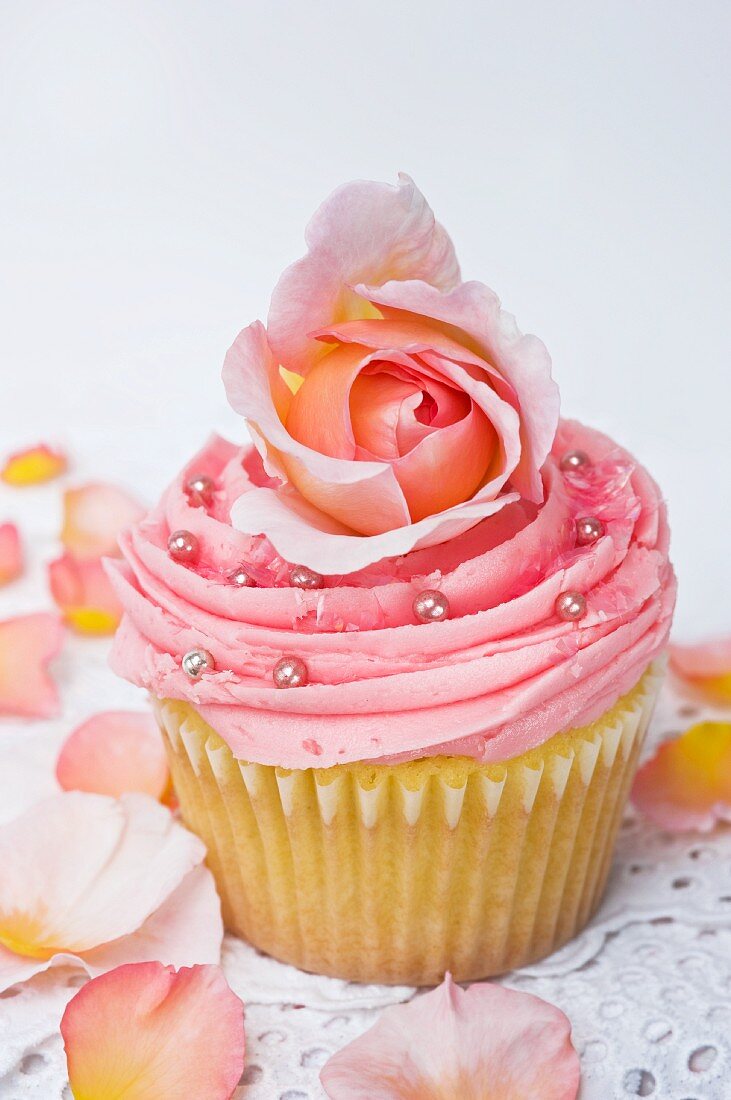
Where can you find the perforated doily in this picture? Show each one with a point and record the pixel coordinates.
(647, 986)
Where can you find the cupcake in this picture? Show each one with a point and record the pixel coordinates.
(404, 647)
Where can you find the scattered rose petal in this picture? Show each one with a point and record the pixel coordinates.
(115, 753)
(706, 667)
(33, 466)
(686, 785)
(27, 644)
(11, 553)
(146, 894)
(488, 1043)
(82, 590)
(182, 1035)
(94, 515)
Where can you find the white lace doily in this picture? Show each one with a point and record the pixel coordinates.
(647, 986)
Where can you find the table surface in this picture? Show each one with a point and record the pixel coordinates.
(647, 986)
(160, 163)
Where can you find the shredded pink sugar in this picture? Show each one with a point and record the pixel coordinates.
(530, 575)
(569, 645)
(570, 557)
(604, 490)
(603, 479)
(613, 600)
(367, 617)
(266, 566)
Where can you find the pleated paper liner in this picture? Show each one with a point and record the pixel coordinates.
(397, 873)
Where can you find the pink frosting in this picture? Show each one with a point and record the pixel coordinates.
(501, 675)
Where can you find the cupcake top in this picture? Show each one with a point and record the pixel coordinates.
(416, 557)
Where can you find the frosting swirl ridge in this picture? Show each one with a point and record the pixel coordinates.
(497, 677)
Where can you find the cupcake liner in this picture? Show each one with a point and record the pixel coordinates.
(397, 873)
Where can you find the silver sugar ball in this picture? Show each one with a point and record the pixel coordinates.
(199, 490)
(570, 606)
(301, 576)
(290, 672)
(196, 662)
(431, 606)
(183, 547)
(575, 460)
(588, 530)
(241, 578)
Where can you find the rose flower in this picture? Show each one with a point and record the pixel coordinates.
(396, 405)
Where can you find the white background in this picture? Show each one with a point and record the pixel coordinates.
(159, 161)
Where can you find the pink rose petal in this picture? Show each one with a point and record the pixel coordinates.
(27, 644)
(396, 411)
(186, 929)
(83, 592)
(129, 861)
(485, 1043)
(442, 464)
(686, 785)
(522, 360)
(302, 533)
(447, 467)
(705, 667)
(94, 516)
(363, 233)
(368, 487)
(115, 753)
(145, 1032)
(11, 553)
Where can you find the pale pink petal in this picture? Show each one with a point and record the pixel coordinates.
(485, 1043)
(367, 506)
(115, 752)
(82, 591)
(33, 466)
(83, 870)
(186, 929)
(27, 644)
(94, 516)
(300, 532)
(350, 489)
(11, 553)
(145, 1032)
(523, 361)
(363, 233)
(15, 969)
(686, 785)
(706, 667)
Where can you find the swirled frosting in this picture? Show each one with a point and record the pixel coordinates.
(501, 675)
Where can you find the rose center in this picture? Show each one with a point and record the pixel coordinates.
(427, 410)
